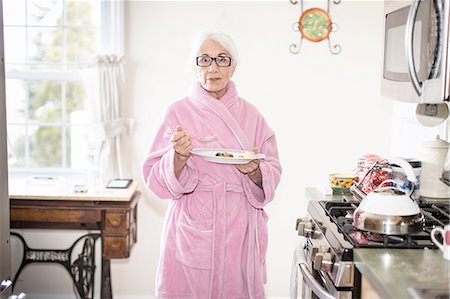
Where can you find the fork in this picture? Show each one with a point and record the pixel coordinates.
(201, 139)
(204, 138)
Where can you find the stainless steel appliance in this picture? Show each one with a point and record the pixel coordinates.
(328, 270)
(416, 36)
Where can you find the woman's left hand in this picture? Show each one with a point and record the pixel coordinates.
(250, 167)
(252, 170)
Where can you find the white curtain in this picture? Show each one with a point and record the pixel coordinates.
(104, 82)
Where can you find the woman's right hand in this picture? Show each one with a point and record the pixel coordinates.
(181, 143)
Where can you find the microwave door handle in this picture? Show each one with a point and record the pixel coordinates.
(313, 284)
(438, 6)
(409, 42)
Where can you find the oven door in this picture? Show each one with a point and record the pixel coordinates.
(415, 38)
(316, 285)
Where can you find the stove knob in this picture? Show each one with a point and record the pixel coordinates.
(323, 261)
(305, 227)
(324, 248)
(317, 249)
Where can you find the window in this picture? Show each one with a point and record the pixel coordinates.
(46, 45)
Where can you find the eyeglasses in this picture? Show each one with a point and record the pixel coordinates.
(221, 61)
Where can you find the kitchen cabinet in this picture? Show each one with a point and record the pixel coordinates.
(398, 273)
(367, 290)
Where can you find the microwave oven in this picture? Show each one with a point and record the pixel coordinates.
(415, 51)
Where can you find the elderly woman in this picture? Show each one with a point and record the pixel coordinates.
(214, 239)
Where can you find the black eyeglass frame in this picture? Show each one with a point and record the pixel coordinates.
(213, 59)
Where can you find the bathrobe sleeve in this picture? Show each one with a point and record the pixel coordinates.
(270, 166)
(158, 167)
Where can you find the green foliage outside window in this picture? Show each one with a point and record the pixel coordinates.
(65, 38)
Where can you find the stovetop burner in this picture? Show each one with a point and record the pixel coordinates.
(341, 213)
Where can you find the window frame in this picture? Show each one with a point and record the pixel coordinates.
(111, 42)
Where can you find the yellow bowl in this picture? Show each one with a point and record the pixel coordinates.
(341, 182)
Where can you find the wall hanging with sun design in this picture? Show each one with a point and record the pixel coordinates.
(315, 25)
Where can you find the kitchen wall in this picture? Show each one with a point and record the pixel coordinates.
(325, 109)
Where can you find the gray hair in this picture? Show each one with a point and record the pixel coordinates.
(223, 39)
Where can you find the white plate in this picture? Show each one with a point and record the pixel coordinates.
(239, 156)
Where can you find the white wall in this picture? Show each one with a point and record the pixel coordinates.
(325, 109)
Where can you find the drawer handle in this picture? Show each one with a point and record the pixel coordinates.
(115, 222)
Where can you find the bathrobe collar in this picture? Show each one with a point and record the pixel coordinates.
(228, 99)
(222, 109)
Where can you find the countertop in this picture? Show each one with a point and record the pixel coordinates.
(394, 272)
(61, 189)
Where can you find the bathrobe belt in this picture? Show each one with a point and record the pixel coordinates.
(220, 190)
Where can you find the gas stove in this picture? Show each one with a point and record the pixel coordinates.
(341, 213)
(330, 238)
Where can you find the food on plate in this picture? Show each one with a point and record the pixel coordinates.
(224, 154)
(237, 154)
(246, 155)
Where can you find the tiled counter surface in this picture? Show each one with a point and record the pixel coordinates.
(392, 272)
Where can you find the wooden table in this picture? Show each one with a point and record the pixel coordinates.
(111, 212)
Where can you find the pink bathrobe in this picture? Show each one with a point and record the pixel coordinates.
(214, 239)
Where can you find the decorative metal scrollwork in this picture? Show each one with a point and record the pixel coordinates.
(315, 25)
(81, 269)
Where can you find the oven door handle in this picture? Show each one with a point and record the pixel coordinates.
(313, 284)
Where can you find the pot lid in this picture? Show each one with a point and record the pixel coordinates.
(386, 203)
(436, 143)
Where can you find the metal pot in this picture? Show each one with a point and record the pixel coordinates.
(390, 210)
